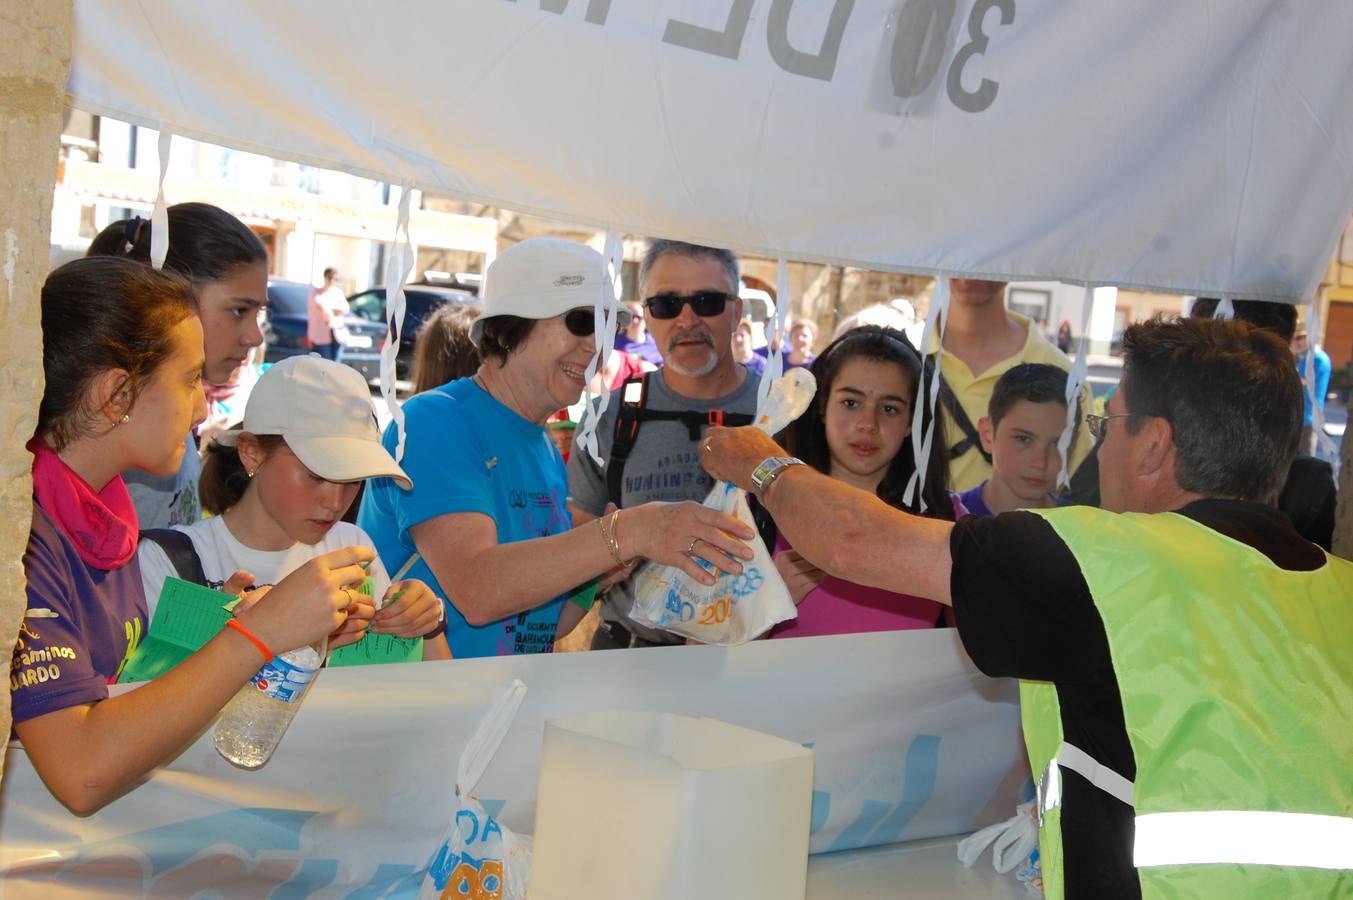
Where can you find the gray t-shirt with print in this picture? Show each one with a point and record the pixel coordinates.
(664, 465)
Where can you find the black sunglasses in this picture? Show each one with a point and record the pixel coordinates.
(581, 322)
(703, 303)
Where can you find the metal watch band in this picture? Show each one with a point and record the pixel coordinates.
(770, 469)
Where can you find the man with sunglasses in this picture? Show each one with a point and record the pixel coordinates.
(649, 436)
(1183, 653)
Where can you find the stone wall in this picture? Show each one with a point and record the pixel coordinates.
(35, 37)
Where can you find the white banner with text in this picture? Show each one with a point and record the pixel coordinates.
(1192, 148)
(910, 742)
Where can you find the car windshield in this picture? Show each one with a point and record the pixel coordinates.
(369, 305)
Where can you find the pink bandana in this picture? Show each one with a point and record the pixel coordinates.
(102, 526)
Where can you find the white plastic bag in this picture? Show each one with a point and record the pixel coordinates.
(1014, 846)
(736, 608)
(478, 858)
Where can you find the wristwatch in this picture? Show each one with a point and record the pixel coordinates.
(769, 470)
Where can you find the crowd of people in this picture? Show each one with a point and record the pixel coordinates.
(1123, 619)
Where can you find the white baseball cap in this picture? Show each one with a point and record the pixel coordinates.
(323, 411)
(544, 277)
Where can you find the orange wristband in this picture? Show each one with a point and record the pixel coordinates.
(262, 647)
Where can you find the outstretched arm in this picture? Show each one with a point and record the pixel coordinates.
(90, 753)
(844, 531)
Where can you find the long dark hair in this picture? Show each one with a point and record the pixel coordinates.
(806, 437)
(206, 243)
(97, 315)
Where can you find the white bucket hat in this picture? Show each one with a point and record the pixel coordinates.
(323, 411)
(544, 277)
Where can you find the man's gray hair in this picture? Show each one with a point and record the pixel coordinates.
(660, 247)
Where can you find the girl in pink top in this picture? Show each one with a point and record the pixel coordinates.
(858, 430)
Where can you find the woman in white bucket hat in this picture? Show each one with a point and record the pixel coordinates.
(279, 485)
(486, 523)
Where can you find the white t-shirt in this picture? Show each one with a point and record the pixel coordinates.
(222, 556)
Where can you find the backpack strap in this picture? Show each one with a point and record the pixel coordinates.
(633, 399)
(634, 412)
(949, 400)
(181, 552)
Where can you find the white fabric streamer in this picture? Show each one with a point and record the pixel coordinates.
(928, 394)
(402, 255)
(1073, 387)
(777, 331)
(159, 216)
(605, 316)
(1225, 308)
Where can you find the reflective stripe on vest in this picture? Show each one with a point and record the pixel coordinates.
(1196, 838)
(1257, 838)
(1069, 756)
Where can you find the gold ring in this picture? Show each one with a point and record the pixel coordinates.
(351, 598)
(690, 548)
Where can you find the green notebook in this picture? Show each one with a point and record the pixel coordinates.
(187, 616)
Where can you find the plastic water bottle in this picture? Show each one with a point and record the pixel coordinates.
(253, 722)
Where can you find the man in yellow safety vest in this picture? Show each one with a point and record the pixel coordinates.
(1183, 652)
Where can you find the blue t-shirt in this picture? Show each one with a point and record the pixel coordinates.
(81, 626)
(466, 452)
(1320, 383)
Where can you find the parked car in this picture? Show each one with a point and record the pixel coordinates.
(285, 335)
(420, 301)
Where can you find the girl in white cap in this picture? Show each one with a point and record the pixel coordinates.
(122, 358)
(279, 487)
(486, 521)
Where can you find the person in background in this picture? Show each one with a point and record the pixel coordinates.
(897, 314)
(122, 361)
(635, 339)
(801, 336)
(228, 267)
(982, 340)
(324, 315)
(858, 431)
(1179, 649)
(443, 351)
(1314, 386)
(1024, 422)
(1309, 495)
(744, 352)
(649, 435)
(277, 488)
(485, 524)
(1064, 337)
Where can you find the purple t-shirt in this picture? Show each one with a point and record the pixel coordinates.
(972, 501)
(81, 627)
(842, 607)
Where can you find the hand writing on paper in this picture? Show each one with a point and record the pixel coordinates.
(353, 629)
(799, 575)
(310, 602)
(410, 610)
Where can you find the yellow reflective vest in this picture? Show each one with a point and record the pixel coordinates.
(1237, 686)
